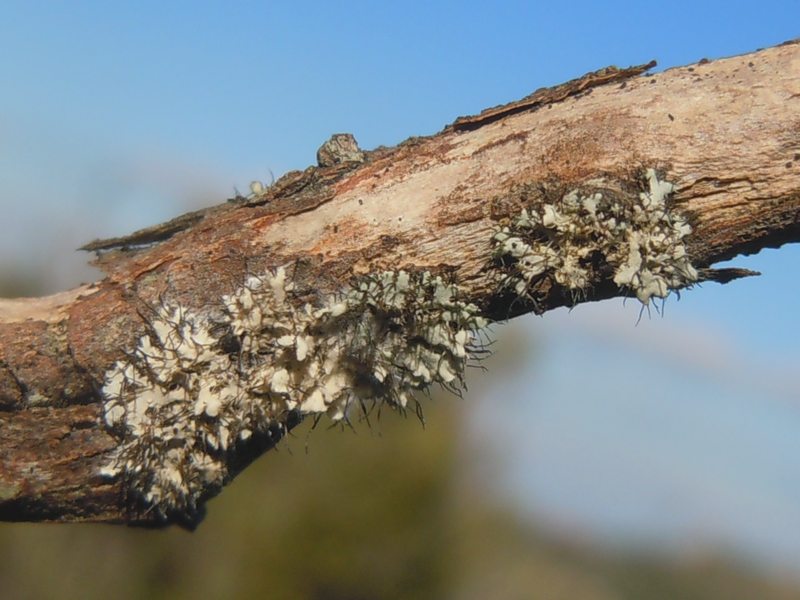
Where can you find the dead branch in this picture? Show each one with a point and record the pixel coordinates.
(726, 133)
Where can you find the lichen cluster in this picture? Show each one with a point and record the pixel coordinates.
(183, 398)
(590, 233)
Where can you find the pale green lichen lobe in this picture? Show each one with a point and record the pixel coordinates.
(181, 401)
(637, 235)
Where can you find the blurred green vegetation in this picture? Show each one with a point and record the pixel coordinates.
(386, 511)
(16, 283)
(382, 512)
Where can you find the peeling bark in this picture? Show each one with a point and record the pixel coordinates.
(725, 132)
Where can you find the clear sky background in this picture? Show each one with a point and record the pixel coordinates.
(683, 431)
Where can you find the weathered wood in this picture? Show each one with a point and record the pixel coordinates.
(725, 132)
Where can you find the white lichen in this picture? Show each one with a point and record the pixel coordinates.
(636, 235)
(182, 399)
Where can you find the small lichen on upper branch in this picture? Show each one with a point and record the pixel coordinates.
(183, 399)
(591, 234)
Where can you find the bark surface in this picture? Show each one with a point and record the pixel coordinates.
(725, 132)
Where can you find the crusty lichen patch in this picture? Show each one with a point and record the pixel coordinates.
(183, 398)
(591, 234)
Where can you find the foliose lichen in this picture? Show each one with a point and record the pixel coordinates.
(577, 239)
(183, 399)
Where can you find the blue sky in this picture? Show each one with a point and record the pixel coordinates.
(114, 117)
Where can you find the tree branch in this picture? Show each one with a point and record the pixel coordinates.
(725, 133)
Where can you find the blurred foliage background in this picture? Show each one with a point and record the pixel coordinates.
(389, 509)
